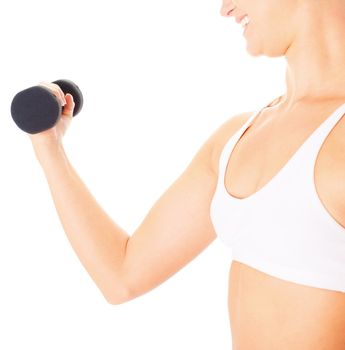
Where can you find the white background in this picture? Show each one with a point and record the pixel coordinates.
(158, 77)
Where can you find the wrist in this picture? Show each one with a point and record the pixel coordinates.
(46, 150)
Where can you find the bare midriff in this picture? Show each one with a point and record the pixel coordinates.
(267, 313)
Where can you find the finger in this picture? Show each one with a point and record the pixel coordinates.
(69, 106)
(61, 93)
(56, 90)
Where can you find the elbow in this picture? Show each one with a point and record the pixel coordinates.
(118, 297)
(119, 294)
(112, 301)
(123, 291)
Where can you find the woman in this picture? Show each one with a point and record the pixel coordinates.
(269, 183)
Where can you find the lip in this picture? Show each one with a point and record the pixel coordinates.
(239, 19)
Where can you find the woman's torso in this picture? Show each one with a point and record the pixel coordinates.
(268, 313)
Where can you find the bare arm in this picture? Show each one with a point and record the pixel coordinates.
(98, 241)
(176, 229)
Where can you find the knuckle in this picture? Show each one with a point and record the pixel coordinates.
(56, 86)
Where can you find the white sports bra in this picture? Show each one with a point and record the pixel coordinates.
(283, 229)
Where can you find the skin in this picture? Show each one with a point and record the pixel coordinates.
(266, 313)
(310, 36)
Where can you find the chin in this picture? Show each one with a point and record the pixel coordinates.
(273, 46)
(271, 51)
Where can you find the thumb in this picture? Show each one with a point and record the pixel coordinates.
(69, 106)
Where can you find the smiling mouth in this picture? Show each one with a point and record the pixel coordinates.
(244, 21)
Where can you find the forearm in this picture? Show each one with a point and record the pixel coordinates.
(97, 240)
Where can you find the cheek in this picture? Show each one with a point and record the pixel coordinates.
(272, 27)
(281, 31)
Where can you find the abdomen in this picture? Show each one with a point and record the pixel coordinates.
(267, 313)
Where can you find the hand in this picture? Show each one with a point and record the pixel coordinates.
(54, 135)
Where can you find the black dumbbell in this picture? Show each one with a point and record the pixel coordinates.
(37, 109)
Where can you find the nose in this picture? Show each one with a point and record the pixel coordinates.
(227, 8)
(226, 12)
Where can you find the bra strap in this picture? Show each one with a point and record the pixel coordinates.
(277, 100)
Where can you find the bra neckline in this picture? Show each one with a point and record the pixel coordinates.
(278, 174)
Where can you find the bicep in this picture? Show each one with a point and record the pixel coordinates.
(176, 229)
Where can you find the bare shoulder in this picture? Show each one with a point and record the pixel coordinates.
(224, 132)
